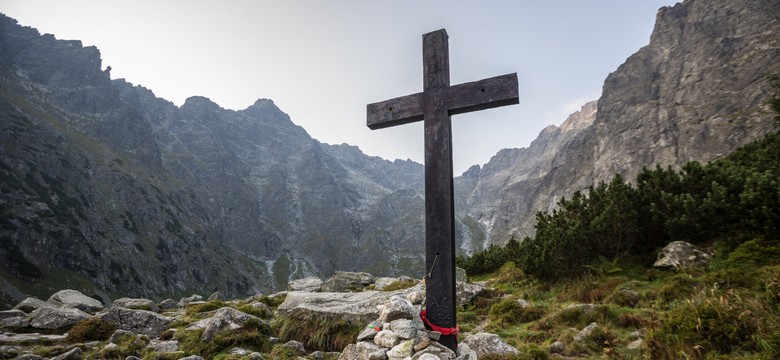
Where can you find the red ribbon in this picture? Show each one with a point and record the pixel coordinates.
(442, 330)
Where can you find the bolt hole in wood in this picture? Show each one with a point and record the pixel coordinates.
(482, 90)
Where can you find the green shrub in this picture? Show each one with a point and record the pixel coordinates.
(508, 312)
(90, 329)
(192, 309)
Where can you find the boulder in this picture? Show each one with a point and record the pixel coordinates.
(72, 354)
(121, 336)
(55, 318)
(343, 281)
(309, 284)
(9, 338)
(137, 304)
(681, 255)
(486, 344)
(167, 346)
(397, 308)
(7, 352)
(371, 351)
(138, 321)
(382, 282)
(15, 322)
(192, 357)
(404, 328)
(460, 275)
(360, 307)
(29, 304)
(75, 299)
(387, 339)
(402, 350)
(296, 346)
(187, 300)
(465, 352)
(226, 318)
(168, 304)
(465, 292)
(5, 314)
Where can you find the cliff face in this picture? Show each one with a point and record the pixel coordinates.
(108, 187)
(696, 92)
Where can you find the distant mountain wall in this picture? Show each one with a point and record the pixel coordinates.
(697, 91)
(112, 190)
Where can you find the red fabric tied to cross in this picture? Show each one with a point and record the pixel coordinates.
(442, 330)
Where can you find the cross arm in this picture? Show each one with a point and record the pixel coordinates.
(483, 94)
(398, 111)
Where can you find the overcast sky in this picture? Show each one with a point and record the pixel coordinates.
(322, 61)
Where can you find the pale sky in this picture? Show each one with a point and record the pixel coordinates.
(323, 61)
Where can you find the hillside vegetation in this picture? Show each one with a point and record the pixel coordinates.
(591, 262)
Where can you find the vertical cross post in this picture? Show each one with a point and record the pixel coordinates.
(434, 106)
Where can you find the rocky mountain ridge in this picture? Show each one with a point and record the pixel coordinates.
(696, 92)
(109, 187)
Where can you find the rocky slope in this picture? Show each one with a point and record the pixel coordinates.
(697, 91)
(105, 186)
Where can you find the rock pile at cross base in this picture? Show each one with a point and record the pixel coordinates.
(144, 328)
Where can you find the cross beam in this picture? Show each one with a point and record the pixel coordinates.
(434, 106)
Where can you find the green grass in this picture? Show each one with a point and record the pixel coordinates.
(728, 311)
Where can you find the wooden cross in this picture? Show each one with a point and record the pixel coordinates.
(434, 106)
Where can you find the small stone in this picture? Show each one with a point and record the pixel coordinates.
(524, 303)
(371, 351)
(7, 351)
(297, 346)
(192, 357)
(421, 341)
(30, 304)
(369, 332)
(397, 308)
(121, 336)
(585, 333)
(168, 346)
(636, 344)
(557, 348)
(238, 351)
(401, 351)
(434, 335)
(428, 357)
(386, 338)
(215, 296)
(256, 356)
(460, 275)
(404, 328)
(72, 354)
(465, 352)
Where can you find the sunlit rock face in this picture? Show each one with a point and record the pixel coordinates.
(697, 91)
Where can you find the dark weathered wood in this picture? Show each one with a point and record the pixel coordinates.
(434, 106)
(467, 97)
